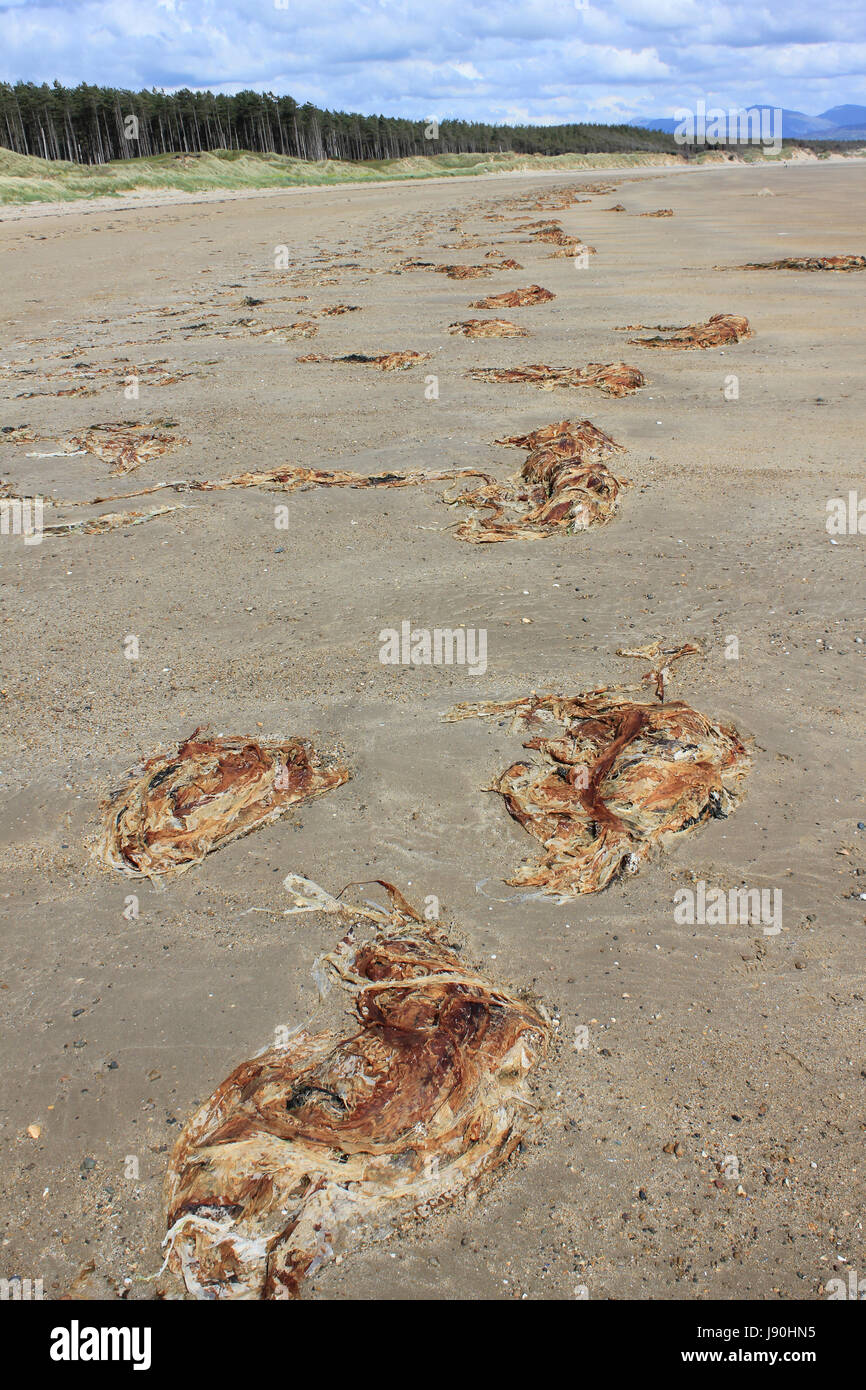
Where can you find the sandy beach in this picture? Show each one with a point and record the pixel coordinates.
(703, 1138)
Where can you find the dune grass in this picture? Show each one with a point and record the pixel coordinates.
(26, 179)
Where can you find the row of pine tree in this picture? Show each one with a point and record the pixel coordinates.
(91, 125)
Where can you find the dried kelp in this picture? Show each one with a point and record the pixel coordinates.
(663, 657)
(109, 521)
(125, 444)
(502, 264)
(338, 1135)
(464, 272)
(804, 263)
(659, 212)
(175, 808)
(385, 361)
(514, 299)
(288, 479)
(570, 248)
(89, 379)
(282, 332)
(564, 486)
(488, 328)
(617, 207)
(614, 378)
(718, 331)
(556, 236)
(618, 778)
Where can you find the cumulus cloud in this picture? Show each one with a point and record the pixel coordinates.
(549, 60)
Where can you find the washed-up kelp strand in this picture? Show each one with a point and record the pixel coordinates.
(506, 264)
(617, 207)
(564, 486)
(124, 445)
(718, 331)
(659, 212)
(804, 263)
(334, 1137)
(614, 378)
(175, 808)
(558, 237)
(663, 659)
(514, 299)
(618, 778)
(89, 379)
(464, 272)
(488, 328)
(109, 521)
(385, 361)
(290, 479)
(284, 333)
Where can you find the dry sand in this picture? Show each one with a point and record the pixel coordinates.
(723, 1041)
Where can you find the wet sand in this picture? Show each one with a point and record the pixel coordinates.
(711, 1042)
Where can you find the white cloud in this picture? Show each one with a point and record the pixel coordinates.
(545, 59)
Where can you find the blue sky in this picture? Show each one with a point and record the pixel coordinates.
(500, 60)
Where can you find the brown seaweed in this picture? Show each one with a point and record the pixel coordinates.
(614, 378)
(718, 331)
(488, 328)
(514, 299)
(563, 486)
(464, 272)
(125, 444)
(175, 808)
(341, 1135)
(385, 361)
(617, 779)
(843, 263)
(109, 521)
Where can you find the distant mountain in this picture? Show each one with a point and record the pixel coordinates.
(839, 123)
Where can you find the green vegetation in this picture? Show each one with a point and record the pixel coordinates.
(94, 125)
(24, 179)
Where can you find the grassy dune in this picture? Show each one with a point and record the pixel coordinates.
(25, 179)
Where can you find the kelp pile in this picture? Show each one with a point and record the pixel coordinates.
(614, 378)
(124, 444)
(175, 808)
(385, 361)
(805, 263)
(567, 245)
(464, 272)
(488, 328)
(719, 331)
(342, 1134)
(514, 299)
(563, 486)
(659, 212)
(454, 272)
(89, 379)
(109, 521)
(617, 777)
